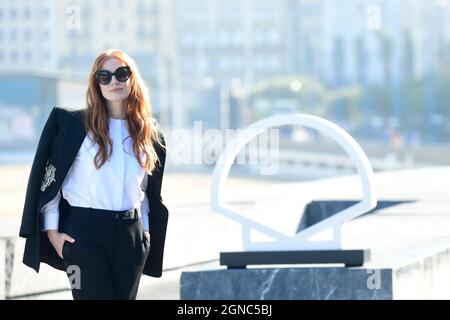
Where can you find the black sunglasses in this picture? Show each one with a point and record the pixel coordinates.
(122, 74)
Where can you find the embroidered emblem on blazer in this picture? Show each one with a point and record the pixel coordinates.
(49, 176)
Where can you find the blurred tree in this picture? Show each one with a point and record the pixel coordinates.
(408, 54)
(302, 91)
(346, 105)
(387, 49)
(338, 61)
(309, 95)
(361, 58)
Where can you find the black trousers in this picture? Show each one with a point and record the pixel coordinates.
(109, 253)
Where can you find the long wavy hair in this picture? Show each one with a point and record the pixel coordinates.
(142, 126)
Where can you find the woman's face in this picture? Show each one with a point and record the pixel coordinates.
(115, 90)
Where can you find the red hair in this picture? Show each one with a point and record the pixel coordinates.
(142, 126)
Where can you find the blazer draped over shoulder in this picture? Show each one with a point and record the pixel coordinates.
(60, 141)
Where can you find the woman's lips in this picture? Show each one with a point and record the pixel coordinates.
(116, 90)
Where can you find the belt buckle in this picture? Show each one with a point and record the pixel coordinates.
(127, 215)
(131, 214)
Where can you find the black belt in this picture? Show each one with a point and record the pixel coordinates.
(129, 215)
(123, 214)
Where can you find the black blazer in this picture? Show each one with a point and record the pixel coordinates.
(60, 141)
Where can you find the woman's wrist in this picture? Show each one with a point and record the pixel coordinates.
(51, 232)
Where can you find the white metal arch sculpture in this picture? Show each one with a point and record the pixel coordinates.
(299, 241)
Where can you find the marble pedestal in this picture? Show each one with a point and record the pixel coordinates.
(287, 284)
(425, 278)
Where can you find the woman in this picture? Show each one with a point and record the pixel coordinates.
(93, 206)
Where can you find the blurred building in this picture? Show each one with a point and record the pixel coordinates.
(141, 28)
(185, 48)
(221, 41)
(88, 27)
(28, 55)
(61, 38)
(224, 46)
(28, 37)
(380, 41)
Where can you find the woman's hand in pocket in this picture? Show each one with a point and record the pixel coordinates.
(57, 240)
(147, 235)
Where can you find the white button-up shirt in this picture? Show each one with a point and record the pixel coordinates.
(118, 185)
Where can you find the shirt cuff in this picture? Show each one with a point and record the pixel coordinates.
(51, 221)
(145, 221)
